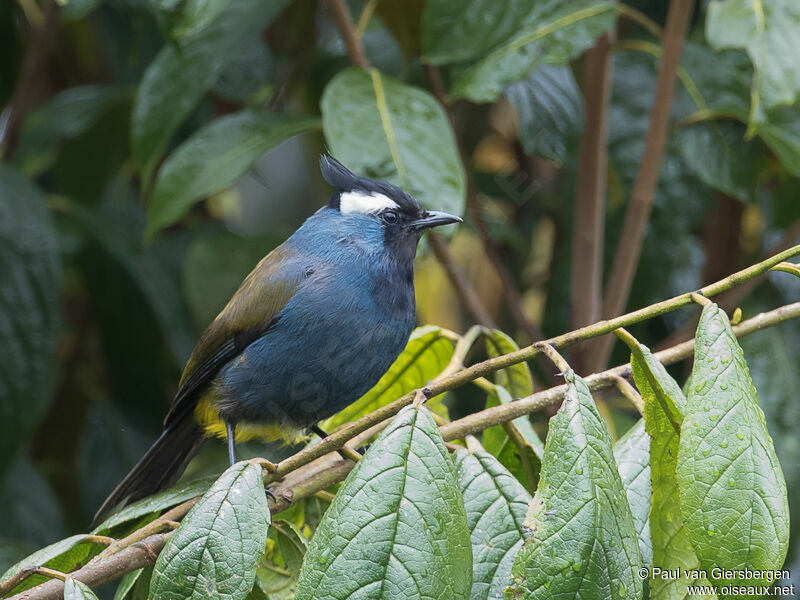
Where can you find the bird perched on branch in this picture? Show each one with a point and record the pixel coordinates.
(310, 330)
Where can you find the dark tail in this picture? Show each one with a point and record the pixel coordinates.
(159, 468)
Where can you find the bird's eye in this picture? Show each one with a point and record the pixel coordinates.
(389, 217)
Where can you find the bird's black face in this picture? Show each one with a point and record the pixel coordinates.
(400, 216)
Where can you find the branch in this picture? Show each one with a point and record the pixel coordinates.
(586, 272)
(25, 94)
(497, 415)
(344, 21)
(637, 216)
(141, 548)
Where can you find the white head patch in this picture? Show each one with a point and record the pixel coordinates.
(362, 202)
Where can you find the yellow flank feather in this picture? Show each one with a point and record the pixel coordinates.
(207, 416)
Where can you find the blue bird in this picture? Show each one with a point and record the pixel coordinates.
(308, 332)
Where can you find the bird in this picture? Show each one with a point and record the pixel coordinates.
(311, 329)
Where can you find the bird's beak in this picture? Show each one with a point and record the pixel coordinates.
(434, 218)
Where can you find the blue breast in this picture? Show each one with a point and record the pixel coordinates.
(349, 319)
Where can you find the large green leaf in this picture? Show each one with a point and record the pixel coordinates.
(549, 109)
(516, 445)
(65, 555)
(583, 541)
(632, 453)
(382, 128)
(516, 379)
(127, 583)
(554, 33)
(155, 503)
(215, 551)
(214, 157)
(30, 283)
(397, 527)
(458, 30)
(182, 72)
(496, 504)
(671, 547)
(720, 156)
(77, 590)
(425, 356)
(196, 15)
(66, 115)
(732, 490)
(117, 228)
(770, 32)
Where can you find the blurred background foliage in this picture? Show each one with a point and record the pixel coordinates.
(153, 151)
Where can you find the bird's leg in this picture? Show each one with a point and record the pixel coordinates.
(231, 430)
(345, 452)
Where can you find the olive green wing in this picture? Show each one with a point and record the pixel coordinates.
(249, 314)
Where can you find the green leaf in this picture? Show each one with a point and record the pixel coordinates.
(30, 284)
(196, 15)
(496, 504)
(732, 490)
(117, 228)
(65, 555)
(397, 527)
(781, 132)
(292, 544)
(126, 584)
(454, 31)
(549, 109)
(215, 157)
(516, 379)
(155, 503)
(214, 267)
(75, 10)
(583, 541)
(516, 445)
(632, 453)
(670, 540)
(77, 590)
(216, 550)
(176, 80)
(770, 32)
(66, 115)
(554, 33)
(425, 356)
(720, 156)
(382, 128)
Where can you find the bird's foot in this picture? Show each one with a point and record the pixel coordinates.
(270, 494)
(347, 452)
(270, 466)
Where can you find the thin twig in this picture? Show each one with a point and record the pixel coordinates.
(588, 235)
(496, 415)
(25, 93)
(627, 390)
(637, 215)
(352, 42)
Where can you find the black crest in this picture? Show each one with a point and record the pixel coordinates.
(344, 180)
